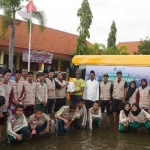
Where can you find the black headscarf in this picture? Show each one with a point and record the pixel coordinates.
(125, 111)
(144, 86)
(130, 90)
(2, 100)
(135, 113)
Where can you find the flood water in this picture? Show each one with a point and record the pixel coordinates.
(107, 137)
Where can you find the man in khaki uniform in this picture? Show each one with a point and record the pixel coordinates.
(29, 100)
(51, 87)
(64, 117)
(18, 90)
(24, 74)
(41, 93)
(106, 89)
(119, 93)
(6, 91)
(17, 126)
(60, 93)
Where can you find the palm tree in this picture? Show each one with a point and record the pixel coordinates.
(10, 7)
(103, 48)
(122, 50)
(94, 49)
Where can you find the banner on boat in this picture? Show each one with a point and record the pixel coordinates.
(129, 73)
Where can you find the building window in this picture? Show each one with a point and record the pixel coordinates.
(6, 61)
(65, 66)
(54, 65)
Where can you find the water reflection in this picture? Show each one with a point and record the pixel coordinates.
(106, 137)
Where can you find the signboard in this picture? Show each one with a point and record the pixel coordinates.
(38, 56)
(129, 73)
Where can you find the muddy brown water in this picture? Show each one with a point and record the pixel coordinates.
(107, 137)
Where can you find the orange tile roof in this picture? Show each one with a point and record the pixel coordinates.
(51, 40)
(131, 46)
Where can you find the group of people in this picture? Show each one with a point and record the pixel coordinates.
(28, 104)
(132, 102)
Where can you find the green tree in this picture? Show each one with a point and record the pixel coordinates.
(10, 7)
(94, 49)
(85, 15)
(144, 47)
(111, 41)
(122, 50)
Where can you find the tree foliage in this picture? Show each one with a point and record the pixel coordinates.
(94, 49)
(122, 50)
(111, 41)
(85, 15)
(10, 8)
(144, 47)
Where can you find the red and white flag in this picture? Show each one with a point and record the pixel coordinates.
(25, 12)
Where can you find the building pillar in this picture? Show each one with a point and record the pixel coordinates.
(59, 65)
(41, 67)
(2, 58)
(18, 62)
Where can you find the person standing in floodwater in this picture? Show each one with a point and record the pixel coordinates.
(79, 88)
(144, 95)
(41, 93)
(29, 100)
(18, 90)
(91, 91)
(119, 93)
(7, 92)
(60, 93)
(51, 87)
(106, 89)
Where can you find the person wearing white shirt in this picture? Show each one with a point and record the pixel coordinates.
(91, 91)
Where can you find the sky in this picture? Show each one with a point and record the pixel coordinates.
(132, 18)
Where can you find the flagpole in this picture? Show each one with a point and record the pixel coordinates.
(30, 35)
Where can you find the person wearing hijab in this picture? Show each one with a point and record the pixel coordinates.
(144, 95)
(124, 118)
(139, 118)
(131, 93)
